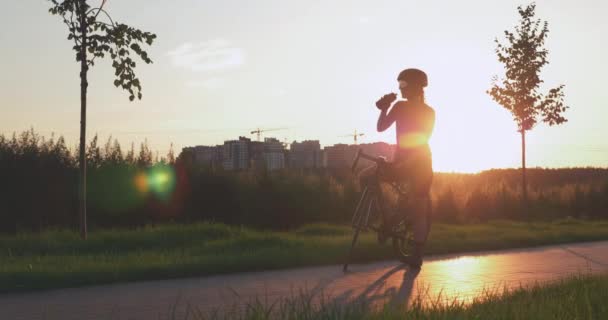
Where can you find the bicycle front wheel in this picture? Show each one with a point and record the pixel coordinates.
(359, 222)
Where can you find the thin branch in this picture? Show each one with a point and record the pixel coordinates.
(71, 25)
(72, 17)
(107, 15)
(92, 61)
(106, 24)
(103, 2)
(104, 12)
(76, 4)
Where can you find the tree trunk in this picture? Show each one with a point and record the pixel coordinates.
(523, 171)
(82, 208)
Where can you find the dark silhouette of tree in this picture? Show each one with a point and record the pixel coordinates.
(130, 157)
(113, 152)
(94, 156)
(145, 155)
(523, 57)
(95, 38)
(171, 155)
(39, 176)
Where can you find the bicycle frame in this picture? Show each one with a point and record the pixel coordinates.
(370, 196)
(371, 202)
(363, 212)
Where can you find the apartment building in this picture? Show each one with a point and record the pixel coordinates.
(236, 154)
(274, 154)
(305, 154)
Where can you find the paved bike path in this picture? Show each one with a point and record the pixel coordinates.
(458, 276)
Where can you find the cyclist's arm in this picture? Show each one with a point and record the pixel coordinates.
(386, 119)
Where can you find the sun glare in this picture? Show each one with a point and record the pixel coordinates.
(471, 133)
(473, 144)
(460, 278)
(412, 140)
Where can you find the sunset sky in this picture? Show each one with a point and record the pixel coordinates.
(224, 68)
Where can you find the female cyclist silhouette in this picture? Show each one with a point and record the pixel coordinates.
(412, 162)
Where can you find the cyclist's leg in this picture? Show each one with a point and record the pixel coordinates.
(420, 217)
(417, 173)
(420, 175)
(422, 194)
(423, 211)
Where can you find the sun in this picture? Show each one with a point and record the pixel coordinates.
(462, 143)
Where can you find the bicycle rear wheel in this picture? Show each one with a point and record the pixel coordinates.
(395, 206)
(403, 238)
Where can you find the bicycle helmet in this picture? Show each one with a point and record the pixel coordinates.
(414, 76)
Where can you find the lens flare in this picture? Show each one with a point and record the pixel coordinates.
(412, 140)
(141, 182)
(116, 188)
(161, 181)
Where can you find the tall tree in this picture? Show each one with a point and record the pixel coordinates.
(523, 56)
(130, 158)
(95, 35)
(171, 155)
(145, 155)
(93, 154)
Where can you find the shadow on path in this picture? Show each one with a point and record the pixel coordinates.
(378, 293)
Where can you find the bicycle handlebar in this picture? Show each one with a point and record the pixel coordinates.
(361, 154)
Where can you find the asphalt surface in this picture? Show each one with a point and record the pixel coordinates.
(462, 277)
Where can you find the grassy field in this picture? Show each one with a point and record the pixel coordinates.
(580, 297)
(57, 259)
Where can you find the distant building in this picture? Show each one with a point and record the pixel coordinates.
(236, 154)
(274, 154)
(305, 154)
(256, 155)
(338, 156)
(211, 156)
(244, 154)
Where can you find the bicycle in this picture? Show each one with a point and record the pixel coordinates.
(377, 207)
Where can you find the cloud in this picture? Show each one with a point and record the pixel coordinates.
(212, 55)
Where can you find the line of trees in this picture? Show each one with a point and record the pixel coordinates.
(39, 190)
(39, 186)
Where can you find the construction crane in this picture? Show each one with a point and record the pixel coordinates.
(258, 131)
(354, 135)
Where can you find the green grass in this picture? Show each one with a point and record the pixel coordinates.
(579, 297)
(56, 259)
